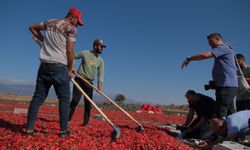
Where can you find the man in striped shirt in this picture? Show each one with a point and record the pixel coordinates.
(56, 67)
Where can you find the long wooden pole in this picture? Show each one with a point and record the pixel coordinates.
(105, 96)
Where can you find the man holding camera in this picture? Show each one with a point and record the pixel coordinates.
(204, 107)
(224, 73)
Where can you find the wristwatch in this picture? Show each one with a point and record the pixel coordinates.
(188, 58)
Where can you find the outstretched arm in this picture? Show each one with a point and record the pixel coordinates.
(201, 56)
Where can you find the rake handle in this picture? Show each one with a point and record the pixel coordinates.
(105, 96)
(91, 101)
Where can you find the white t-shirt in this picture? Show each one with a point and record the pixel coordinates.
(57, 32)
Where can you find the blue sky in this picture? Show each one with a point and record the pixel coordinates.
(147, 41)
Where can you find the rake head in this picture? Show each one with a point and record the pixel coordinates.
(139, 128)
(115, 134)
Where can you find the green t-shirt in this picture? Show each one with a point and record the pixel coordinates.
(89, 65)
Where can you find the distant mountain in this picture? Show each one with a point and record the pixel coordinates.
(27, 89)
(20, 87)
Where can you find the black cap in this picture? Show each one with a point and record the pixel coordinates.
(99, 42)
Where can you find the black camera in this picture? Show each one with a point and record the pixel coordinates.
(211, 85)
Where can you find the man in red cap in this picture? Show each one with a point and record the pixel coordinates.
(56, 56)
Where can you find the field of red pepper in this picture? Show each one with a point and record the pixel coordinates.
(96, 135)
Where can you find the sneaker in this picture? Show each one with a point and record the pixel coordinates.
(64, 134)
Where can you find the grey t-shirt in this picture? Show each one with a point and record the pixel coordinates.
(246, 73)
(57, 32)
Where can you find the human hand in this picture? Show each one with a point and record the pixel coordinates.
(100, 88)
(203, 145)
(185, 63)
(70, 72)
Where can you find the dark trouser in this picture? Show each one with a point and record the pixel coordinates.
(225, 100)
(243, 105)
(76, 98)
(48, 75)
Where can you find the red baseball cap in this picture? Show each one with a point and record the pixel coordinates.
(78, 14)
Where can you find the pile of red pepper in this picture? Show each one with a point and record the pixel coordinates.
(96, 135)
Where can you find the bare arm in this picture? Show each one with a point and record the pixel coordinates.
(201, 56)
(36, 31)
(190, 116)
(70, 57)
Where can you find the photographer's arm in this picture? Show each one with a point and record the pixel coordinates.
(201, 56)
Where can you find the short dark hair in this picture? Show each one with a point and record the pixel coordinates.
(190, 92)
(70, 15)
(240, 56)
(214, 35)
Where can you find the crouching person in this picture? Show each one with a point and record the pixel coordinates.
(204, 107)
(235, 127)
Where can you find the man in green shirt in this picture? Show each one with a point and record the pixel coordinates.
(91, 63)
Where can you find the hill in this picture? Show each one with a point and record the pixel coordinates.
(24, 88)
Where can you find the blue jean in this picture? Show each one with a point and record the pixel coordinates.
(51, 74)
(225, 100)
